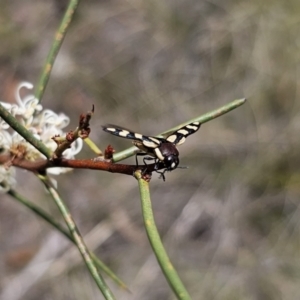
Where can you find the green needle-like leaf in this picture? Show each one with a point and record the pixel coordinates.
(78, 239)
(44, 215)
(59, 38)
(202, 119)
(156, 243)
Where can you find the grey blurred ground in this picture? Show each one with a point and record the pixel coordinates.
(231, 221)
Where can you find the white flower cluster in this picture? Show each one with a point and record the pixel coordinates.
(43, 124)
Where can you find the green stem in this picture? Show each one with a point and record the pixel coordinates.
(27, 135)
(44, 215)
(202, 119)
(78, 239)
(156, 243)
(58, 40)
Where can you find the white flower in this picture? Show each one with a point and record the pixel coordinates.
(29, 104)
(43, 124)
(7, 179)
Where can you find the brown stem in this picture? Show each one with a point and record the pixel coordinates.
(95, 164)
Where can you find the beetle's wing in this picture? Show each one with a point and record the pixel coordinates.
(178, 137)
(146, 141)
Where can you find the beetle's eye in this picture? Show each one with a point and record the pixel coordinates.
(171, 162)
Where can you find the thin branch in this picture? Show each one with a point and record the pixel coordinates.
(93, 164)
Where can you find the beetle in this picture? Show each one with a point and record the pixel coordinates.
(162, 150)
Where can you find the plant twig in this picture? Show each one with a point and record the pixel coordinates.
(93, 164)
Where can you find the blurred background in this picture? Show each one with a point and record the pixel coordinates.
(230, 222)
